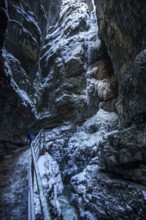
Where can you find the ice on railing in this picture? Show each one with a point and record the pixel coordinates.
(37, 203)
(52, 181)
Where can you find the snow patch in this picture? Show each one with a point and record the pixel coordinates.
(51, 179)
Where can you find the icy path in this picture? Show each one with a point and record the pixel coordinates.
(14, 186)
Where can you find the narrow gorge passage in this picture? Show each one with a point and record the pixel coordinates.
(76, 70)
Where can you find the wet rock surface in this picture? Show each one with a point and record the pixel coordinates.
(14, 186)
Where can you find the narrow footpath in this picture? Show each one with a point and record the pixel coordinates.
(14, 186)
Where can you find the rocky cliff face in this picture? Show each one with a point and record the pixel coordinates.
(25, 25)
(122, 152)
(77, 73)
(120, 25)
(99, 160)
(59, 70)
(122, 29)
(54, 65)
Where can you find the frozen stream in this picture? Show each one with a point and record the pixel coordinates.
(68, 211)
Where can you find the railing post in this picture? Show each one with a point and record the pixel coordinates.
(31, 211)
(43, 138)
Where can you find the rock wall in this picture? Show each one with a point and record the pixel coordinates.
(121, 27)
(57, 67)
(25, 24)
(99, 158)
(121, 153)
(76, 70)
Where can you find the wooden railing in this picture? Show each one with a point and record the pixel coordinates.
(36, 147)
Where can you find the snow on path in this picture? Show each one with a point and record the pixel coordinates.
(14, 186)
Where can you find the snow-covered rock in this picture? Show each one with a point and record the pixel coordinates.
(105, 196)
(72, 47)
(52, 183)
(73, 147)
(24, 25)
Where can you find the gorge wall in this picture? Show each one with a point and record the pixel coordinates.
(122, 29)
(75, 66)
(46, 57)
(86, 83)
(25, 25)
